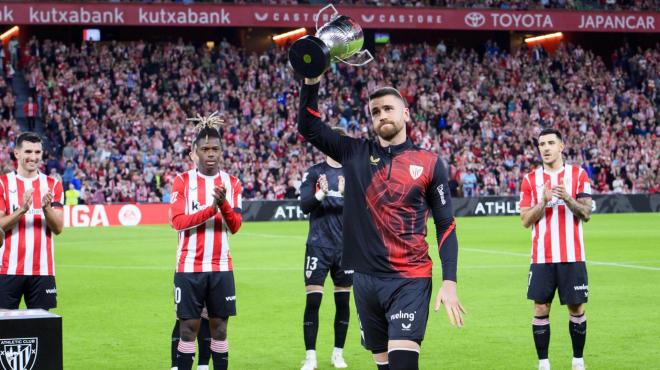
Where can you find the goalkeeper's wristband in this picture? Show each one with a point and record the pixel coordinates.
(320, 195)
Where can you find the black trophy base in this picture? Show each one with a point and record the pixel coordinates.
(309, 56)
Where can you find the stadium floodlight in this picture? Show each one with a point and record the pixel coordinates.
(544, 37)
(11, 32)
(289, 36)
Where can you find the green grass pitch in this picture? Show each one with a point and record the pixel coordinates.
(115, 296)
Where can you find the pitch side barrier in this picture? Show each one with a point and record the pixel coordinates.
(478, 206)
(289, 210)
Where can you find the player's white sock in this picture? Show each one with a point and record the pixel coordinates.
(202, 367)
(174, 368)
(337, 351)
(578, 363)
(544, 364)
(311, 354)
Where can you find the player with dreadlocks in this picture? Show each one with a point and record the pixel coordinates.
(204, 334)
(205, 207)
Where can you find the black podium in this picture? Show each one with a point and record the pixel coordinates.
(30, 340)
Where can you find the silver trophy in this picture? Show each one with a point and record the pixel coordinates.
(340, 39)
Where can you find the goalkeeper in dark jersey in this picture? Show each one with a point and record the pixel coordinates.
(322, 197)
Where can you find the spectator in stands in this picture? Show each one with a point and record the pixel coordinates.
(2, 59)
(469, 180)
(71, 196)
(13, 47)
(31, 111)
(104, 101)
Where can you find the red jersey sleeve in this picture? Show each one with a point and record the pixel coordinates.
(583, 186)
(525, 194)
(58, 195)
(3, 201)
(178, 217)
(232, 216)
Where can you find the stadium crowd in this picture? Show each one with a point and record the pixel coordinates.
(115, 113)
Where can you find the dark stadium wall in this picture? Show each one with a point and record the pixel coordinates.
(149, 34)
(258, 39)
(603, 44)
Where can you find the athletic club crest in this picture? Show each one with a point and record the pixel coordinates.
(308, 273)
(18, 353)
(416, 171)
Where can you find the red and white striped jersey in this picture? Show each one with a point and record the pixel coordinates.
(203, 233)
(557, 236)
(28, 247)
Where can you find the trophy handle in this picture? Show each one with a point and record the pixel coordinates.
(335, 13)
(358, 59)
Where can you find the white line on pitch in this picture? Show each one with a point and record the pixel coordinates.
(492, 251)
(598, 263)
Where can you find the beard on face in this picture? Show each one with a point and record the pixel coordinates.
(387, 130)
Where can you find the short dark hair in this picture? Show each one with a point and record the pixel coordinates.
(28, 136)
(550, 131)
(206, 133)
(387, 90)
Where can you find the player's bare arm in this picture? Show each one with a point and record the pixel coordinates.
(531, 215)
(580, 207)
(7, 222)
(54, 217)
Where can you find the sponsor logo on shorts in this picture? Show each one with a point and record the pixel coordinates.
(230, 298)
(348, 272)
(581, 287)
(403, 316)
(51, 291)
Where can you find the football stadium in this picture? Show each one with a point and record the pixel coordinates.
(364, 184)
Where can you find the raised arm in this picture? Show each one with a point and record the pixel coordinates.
(312, 128)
